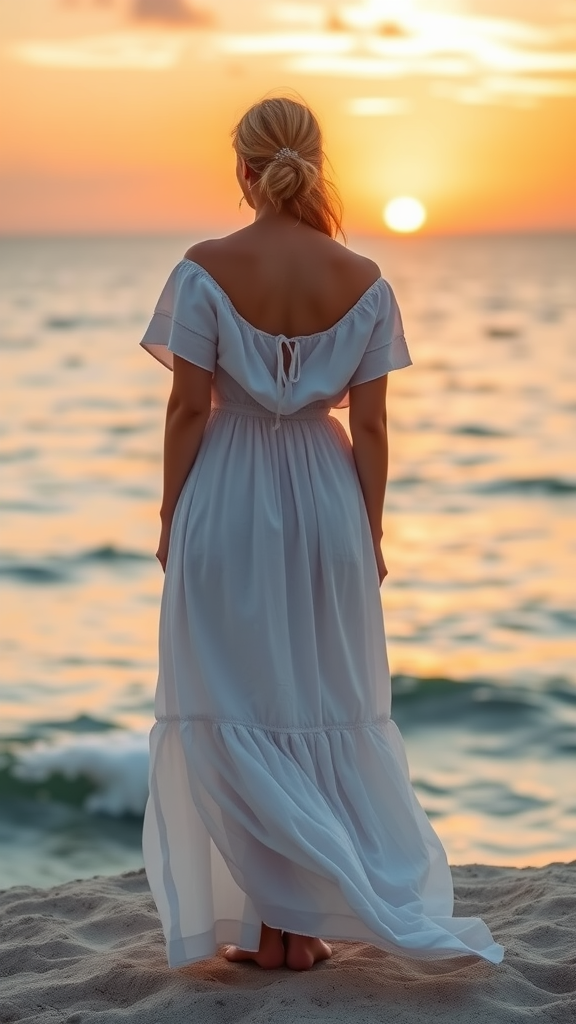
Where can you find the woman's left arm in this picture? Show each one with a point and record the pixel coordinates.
(186, 417)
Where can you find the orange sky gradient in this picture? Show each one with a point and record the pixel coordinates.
(119, 111)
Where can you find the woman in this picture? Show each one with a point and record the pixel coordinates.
(280, 811)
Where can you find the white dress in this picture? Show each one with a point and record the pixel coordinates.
(279, 788)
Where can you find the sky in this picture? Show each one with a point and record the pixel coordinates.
(119, 111)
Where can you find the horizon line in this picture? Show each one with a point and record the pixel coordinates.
(372, 235)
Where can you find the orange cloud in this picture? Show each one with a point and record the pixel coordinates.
(111, 51)
(172, 12)
(458, 57)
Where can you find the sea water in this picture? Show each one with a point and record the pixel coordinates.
(478, 537)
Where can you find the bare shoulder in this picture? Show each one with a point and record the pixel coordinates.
(361, 265)
(203, 251)
(220, 256)
(358, 270)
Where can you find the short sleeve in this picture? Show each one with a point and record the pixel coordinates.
(184, 320)
(386, 349)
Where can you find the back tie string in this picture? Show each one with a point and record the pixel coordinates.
(285, 379)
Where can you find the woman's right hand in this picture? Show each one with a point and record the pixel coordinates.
(163, 545)
(380, 563)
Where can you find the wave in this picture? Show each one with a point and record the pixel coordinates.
(33, 573)
(478, 430)
(60, 568)
(19, 454)
(443, 701)
(111, 553)
(546, 485)
(71, 323)
(502, 331)
(80, 724)
(103, 775)
(91, 764)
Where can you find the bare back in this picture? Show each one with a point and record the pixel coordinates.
(286, 278)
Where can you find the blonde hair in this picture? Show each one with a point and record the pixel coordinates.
(295, 178)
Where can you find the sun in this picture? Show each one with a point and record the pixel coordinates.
(404, 214)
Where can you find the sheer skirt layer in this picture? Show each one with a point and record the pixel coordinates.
(279, 789)
(315, 832)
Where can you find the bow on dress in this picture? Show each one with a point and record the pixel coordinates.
(285, 378)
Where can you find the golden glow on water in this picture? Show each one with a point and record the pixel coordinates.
(478, 521)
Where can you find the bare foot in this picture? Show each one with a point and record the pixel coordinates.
(303, 951)
(270, 954)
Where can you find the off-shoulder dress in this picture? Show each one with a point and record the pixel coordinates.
(279, 787)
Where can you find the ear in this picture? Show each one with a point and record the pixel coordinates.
(244, 169)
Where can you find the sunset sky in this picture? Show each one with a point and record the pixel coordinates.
(119, 111)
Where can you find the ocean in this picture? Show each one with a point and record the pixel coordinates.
(478, 527)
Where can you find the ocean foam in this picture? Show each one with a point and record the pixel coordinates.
(117, 764)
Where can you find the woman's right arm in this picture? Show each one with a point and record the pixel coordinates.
(370, 448)
(187, 414)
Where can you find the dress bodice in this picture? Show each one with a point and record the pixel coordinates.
(195, 319)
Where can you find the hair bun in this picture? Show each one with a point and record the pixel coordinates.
(287, 175)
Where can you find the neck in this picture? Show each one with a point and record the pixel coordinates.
(265, 213)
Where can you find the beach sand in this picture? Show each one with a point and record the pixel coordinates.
(92, 951)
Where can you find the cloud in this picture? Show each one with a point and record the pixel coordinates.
(311, 15)
(377, 106)
(382, 40)
(432, 41)
(507, 91)
(167, 28)
(366, 40)
(532, 86)
(273, 43)
(170, 11)
(375, 68)
(121, 50)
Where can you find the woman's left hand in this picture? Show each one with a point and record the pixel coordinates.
(380, 563)
(163, 545)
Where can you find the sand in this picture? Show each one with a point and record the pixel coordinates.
(92, 951)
